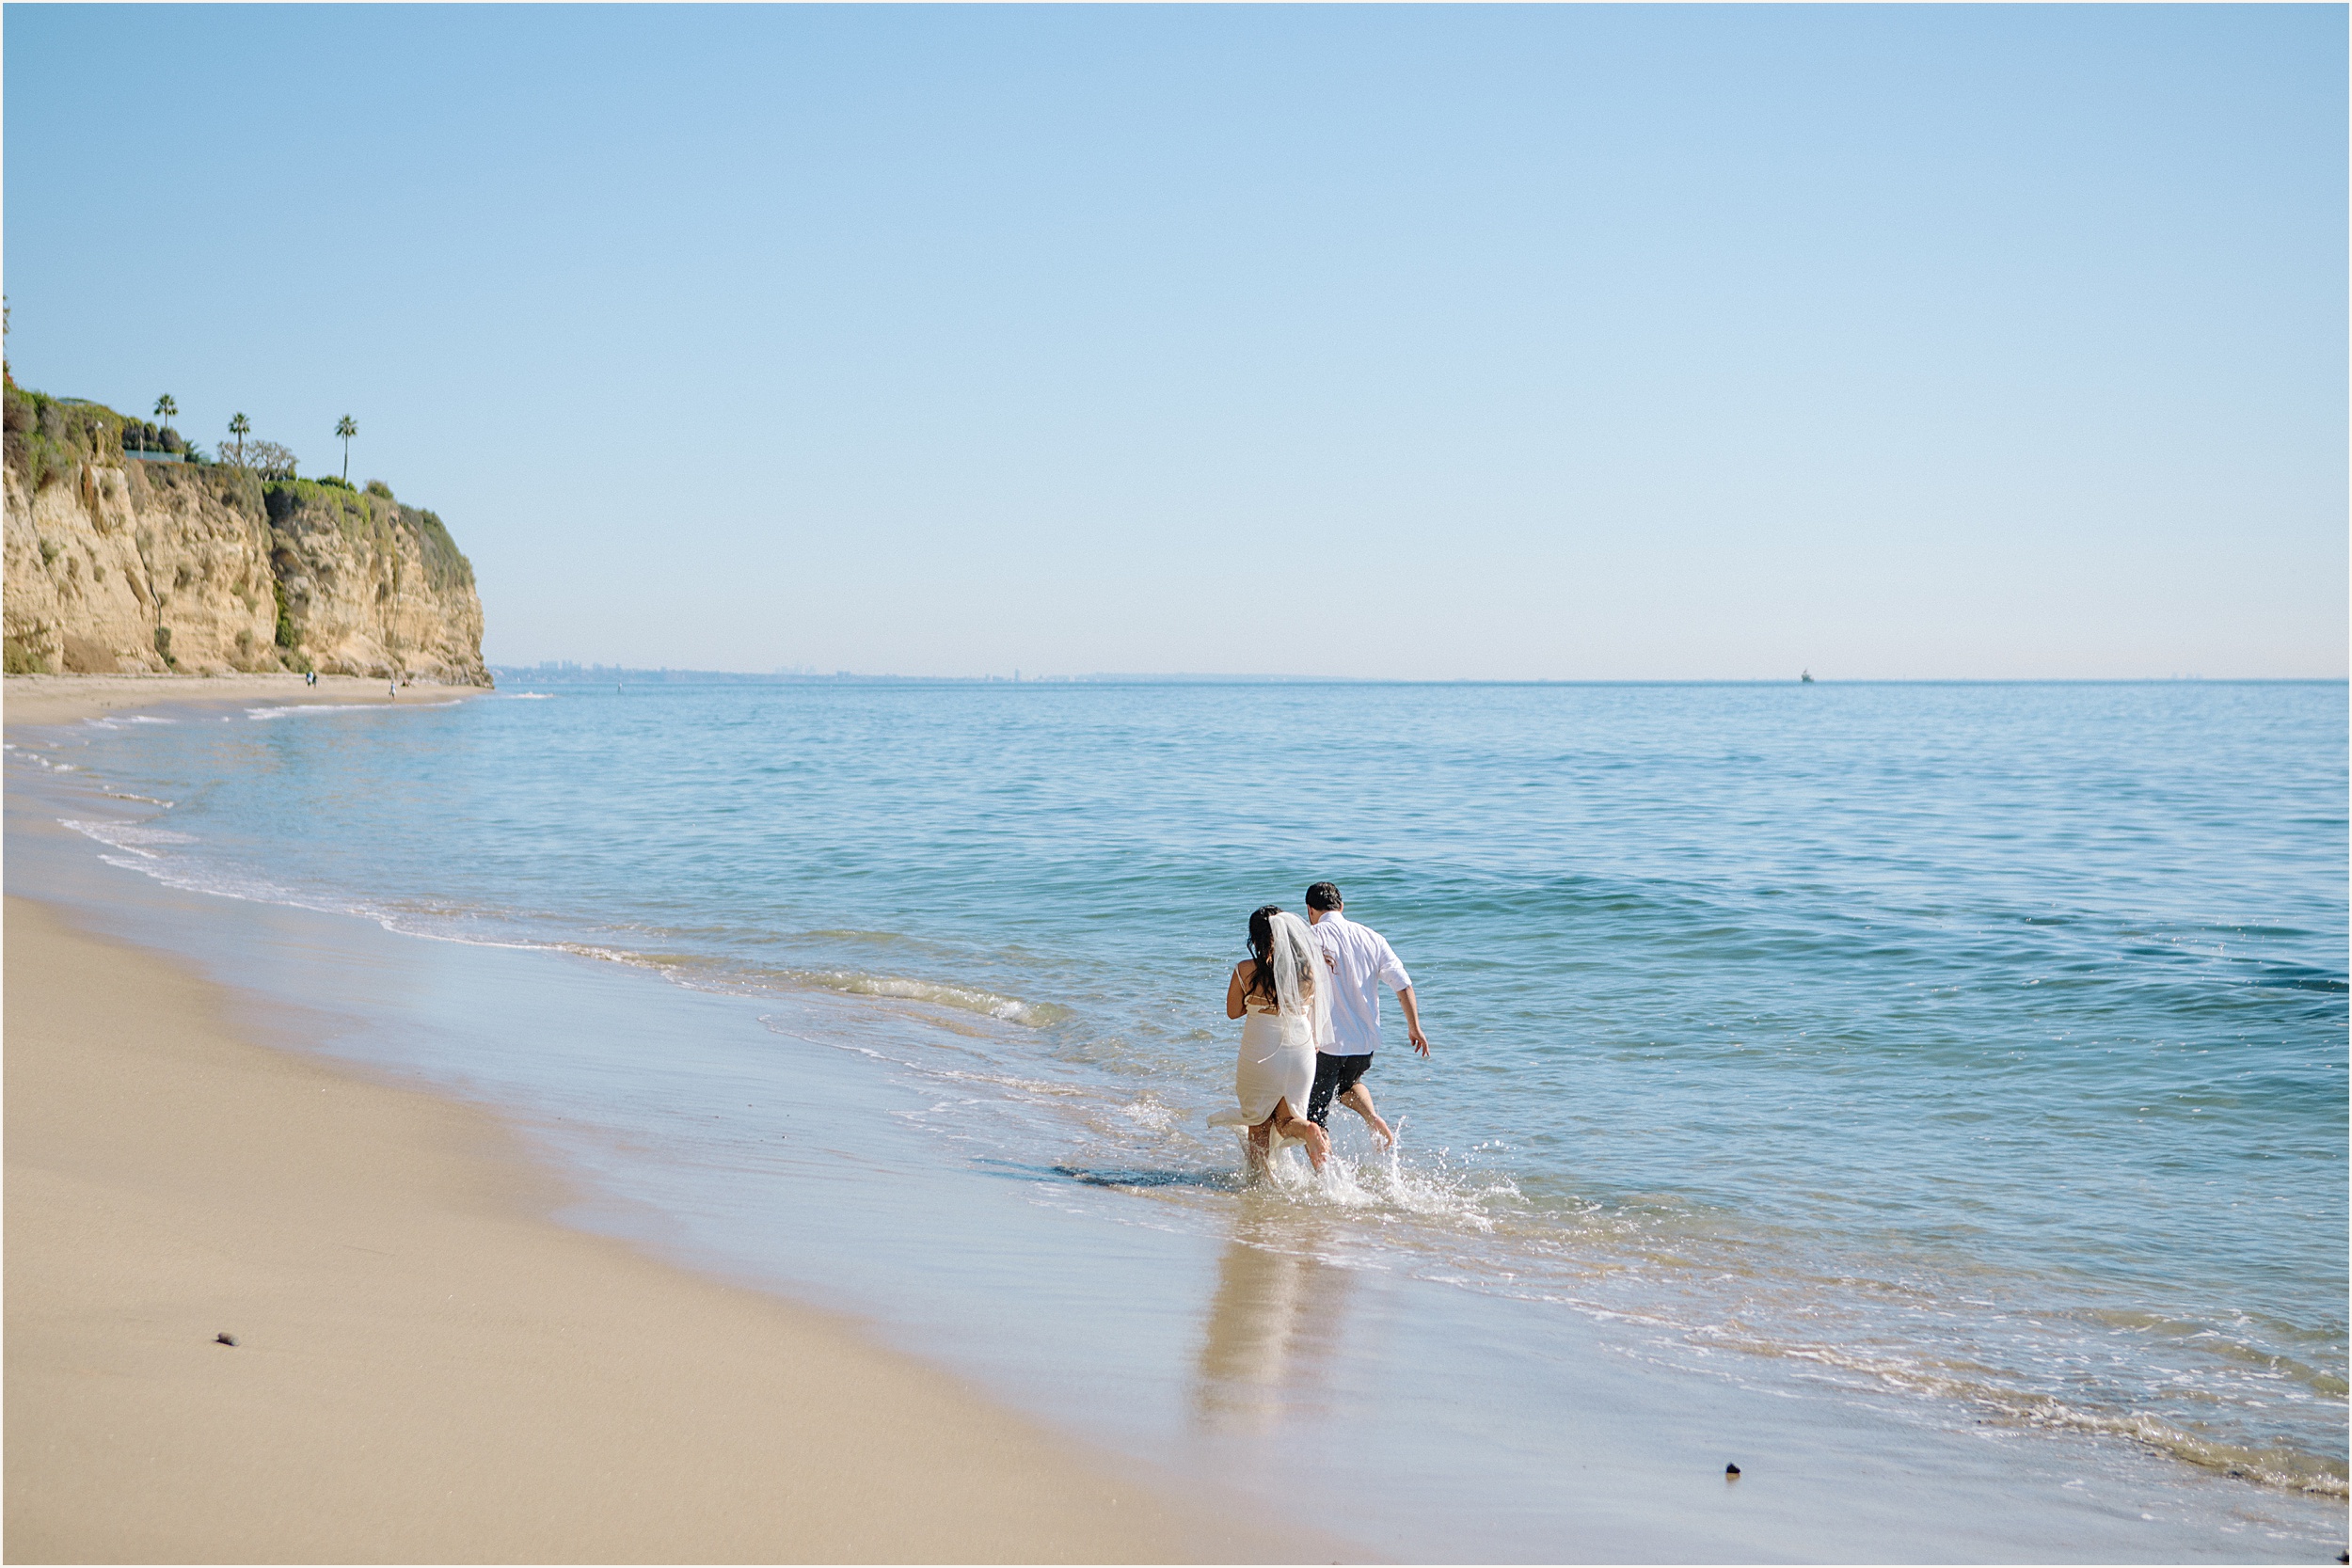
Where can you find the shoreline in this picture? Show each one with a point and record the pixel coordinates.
(63, 699)
(428, 1366)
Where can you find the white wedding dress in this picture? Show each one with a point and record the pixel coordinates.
(1277, 1040)
(1275, 1065)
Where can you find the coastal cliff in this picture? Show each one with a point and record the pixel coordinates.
(115, 563)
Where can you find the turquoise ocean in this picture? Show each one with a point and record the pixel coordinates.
(1952, 1072)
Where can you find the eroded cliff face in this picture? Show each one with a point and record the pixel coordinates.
(106, 571)
(114, 563)
(371, 585)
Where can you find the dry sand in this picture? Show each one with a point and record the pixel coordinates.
(61, 699)
(427, 1368)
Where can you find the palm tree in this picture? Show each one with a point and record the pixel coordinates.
(166, 411)
(346, 429)
(240, 427)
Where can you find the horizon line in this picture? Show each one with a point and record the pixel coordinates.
(571, 670)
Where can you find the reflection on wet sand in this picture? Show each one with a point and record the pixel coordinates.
(1271, 1329)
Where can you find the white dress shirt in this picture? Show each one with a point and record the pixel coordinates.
(1360, 960)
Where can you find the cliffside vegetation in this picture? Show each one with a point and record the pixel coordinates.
(371, 513)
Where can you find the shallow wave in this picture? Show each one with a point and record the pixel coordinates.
(1011, 1009)
(278, 711)
(2285, 1468)
(440, 925)
(704, 972)
(134, 836)
(281, 710)
(145, 843)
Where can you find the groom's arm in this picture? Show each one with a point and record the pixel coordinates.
(1392, 971)
(1412, 1021)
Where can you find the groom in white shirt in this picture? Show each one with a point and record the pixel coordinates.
(1357, 962)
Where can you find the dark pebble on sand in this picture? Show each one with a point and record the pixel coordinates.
(224, 1339)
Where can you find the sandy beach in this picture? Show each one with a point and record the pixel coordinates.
(62, 699)
(426, 1366)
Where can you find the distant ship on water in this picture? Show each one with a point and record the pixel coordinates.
(1804, 678)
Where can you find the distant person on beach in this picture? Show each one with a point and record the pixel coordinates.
(1357, 960)
(1276, 993)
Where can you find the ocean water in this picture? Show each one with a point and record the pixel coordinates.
(1970, 1058)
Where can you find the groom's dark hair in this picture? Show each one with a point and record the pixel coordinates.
(1324, 896)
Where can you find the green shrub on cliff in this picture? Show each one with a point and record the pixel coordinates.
(339, 504)
(240, 488)
(367, 514)
(445, 565)
(50, 438)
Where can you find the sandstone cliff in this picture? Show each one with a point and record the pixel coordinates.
(115, 563)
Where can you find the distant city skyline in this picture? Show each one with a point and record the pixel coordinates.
(1561, 344)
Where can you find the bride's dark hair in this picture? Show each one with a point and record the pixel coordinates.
(1262, 951)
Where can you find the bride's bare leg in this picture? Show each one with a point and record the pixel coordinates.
(1292, 1125)
(1258, 1139)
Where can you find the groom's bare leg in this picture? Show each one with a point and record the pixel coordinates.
(1359, 1099)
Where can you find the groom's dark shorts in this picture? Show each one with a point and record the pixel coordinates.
(1334, 1076)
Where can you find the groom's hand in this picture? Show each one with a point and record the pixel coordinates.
(1420, 1041)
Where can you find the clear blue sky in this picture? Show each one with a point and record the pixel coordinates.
(1580, 342)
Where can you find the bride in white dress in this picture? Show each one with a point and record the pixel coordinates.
(1275, 993)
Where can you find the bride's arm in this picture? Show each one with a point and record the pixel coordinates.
(1235, 992)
